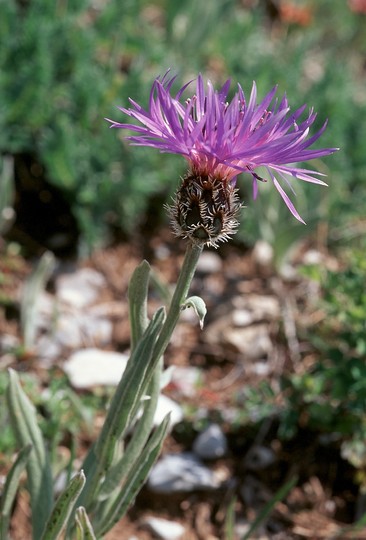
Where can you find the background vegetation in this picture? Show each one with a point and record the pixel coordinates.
(68, 64)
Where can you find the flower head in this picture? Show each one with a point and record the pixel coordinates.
(221, 139)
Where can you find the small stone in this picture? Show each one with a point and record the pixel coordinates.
(181, 473)
(260, 368)
(209, 262)
(211, 443)
(262, 307)
(161, 252)
(48, 348)
(313, 257)
(80, 288)
(94, 367)
(241, 527)
(164, 529)
(165, 406)
(263, 253)
(252, 341)
(288, 272)
(67, 331)
(8, 343)
(186, 380)
(76, 329)
(259, 457)
(242, 317)
(97, 330)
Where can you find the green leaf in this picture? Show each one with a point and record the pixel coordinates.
(11, 488)
(23, 420)
(31, 292)
(141, 432)
(123, 408)
(83, 525)
(58, 519)
(127, 398)
(230, 520)
(136, 478)
(7, 191)
(199, 307)
(137, 297)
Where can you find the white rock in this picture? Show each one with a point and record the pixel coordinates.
(262, 307)
(209, 262)
(76, 329)
(162, 252)
(96, 330)
(241, 527)
(164, 529)
(237, 329)
(67, 331)
(8, 343)
(261, 368)
(80, 288)
(48, 348)
(211, 443)
(288, 272)
(252, 341)
(313, 256)
(186, 380)
(93, 367)
(242, 317)
(181, 472)
(165, 406)
(263, 253)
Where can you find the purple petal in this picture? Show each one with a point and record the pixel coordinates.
(224, 139)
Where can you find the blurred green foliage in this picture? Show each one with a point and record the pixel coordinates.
(66, 65)
(331, 398)
(63, 413)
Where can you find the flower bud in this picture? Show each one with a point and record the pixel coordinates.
(205, 210)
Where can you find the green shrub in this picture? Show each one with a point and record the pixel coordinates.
(65, 66)
(331, 398)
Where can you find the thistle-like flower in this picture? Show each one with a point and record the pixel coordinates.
(221, 139)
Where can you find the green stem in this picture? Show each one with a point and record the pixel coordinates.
(192, 255)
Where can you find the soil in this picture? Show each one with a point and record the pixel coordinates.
(325, 498)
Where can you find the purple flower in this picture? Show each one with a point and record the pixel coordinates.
(221, 139)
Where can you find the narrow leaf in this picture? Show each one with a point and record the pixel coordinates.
(11, 488)
(7, 191)
(141, 432)
(84, 527)
(137, 298)
(123, 408)
(230, 520)
(199, 307)
(57, 521)
(136, 478)
(127, 398)
(33, 287)
(23, 420)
